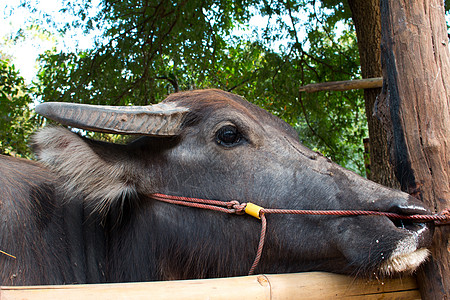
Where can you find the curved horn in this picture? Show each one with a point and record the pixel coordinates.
(156, 120)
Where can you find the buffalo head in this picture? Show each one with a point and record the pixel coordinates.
(215, 145)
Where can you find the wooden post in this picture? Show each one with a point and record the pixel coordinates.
(415, 102)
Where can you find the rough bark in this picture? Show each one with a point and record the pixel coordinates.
(415, 105)
(366, 17)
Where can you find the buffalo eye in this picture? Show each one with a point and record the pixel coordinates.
(228, 136)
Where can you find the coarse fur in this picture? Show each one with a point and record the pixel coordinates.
(102, 183)
(117, 232)
(47, 233)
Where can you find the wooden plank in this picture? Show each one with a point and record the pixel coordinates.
(318, 285)
(314, 285)
(226, 288)
(368, 83)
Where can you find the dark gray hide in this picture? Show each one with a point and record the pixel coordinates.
(83, 214)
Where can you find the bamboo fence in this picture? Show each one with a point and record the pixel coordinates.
(313, 285)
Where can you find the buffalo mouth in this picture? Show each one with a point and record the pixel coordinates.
(411, 251)
(404, 262)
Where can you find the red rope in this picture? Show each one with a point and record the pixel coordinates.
(442, 217)
(230, 207)
(262, 238)
(234, 207)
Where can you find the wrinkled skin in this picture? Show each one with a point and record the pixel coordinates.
(229, 149)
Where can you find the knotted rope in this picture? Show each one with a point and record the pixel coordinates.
(234, 207)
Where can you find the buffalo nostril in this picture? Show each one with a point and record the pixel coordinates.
(412, 207)
(422, 231)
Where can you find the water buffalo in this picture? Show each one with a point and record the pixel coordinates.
(83, 214)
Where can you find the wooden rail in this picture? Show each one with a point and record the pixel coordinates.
(314, 285)
(368, 83)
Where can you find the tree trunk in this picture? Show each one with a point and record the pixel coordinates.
(366, 17)
(415, 102)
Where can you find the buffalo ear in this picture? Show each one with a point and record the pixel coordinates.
(163, 119)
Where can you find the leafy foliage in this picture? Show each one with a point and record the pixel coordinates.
(17, 121)
(148, 49)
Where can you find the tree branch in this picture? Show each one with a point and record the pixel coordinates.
(368, 83)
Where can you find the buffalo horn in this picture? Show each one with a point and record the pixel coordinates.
(155, 120)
